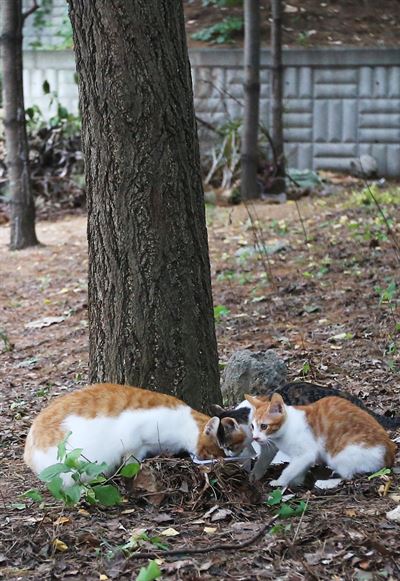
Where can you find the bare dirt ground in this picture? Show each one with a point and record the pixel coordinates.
(328, 306)
(311, 23)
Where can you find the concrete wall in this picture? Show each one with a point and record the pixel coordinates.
(339, 103)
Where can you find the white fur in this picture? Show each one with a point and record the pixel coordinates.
(296, 439)
(265, 454)
(134, 432)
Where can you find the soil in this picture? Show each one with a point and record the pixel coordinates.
(311, 23)
(328, 306)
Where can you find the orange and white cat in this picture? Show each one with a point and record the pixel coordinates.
(111, 422)
(331, 430)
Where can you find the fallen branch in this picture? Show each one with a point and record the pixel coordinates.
(202, 550)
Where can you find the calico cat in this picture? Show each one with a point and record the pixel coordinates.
(111, 422)
(301, 393)
(331, 430)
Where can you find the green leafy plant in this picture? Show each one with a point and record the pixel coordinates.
(305, 370)
(220, 311)
(387, 294)
(221, 32)
(149, 573)
(135, 541)
(381, 472)
(7, 345)
(286, 509)
(89, 482)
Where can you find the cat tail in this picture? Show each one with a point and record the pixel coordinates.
(388, 422)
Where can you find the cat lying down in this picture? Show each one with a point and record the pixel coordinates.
(111, 422)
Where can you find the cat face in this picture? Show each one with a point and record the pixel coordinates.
(269, 417)
(233, 431)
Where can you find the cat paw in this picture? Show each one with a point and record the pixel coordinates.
(275, 483)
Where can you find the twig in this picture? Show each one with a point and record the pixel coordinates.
(301, 518)
(301, 222)
(259, 241)
(203, 550)
(382, 213)
(30, 11)
(209, 125)
(298, 207)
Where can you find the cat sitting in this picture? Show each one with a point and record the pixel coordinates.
(332, 431)
(111, 422)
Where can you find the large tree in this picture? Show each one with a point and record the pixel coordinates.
(150, 305)
(249, 158)
(21, 197)
(277, 89)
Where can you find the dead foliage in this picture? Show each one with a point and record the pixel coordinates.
(173, 481)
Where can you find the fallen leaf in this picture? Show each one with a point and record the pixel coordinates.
(394, 514)
(350, 512)
(210, 530)
(170, 532)
(83, 512)
(162, 517)
(220, 514)
(62, 520)
(211, 511)
(60, 546)
(103, 578)
(45, 322)
(177, 565)
(206, 566)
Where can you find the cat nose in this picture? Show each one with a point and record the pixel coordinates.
(256, 439)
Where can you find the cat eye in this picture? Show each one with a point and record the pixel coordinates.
(252, 427)
(263, 426)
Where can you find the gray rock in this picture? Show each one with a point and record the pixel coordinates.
(270, 249)
(252, 372)
(365, 166)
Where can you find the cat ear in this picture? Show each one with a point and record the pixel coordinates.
(211, 427)
(277, 405)
(230, 424)
(254, 401)
(216, 409)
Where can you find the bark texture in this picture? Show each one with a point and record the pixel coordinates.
(150, 305)
(21, 197)
(277, 86)
(249, 187)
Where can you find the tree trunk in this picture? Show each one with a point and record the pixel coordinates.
(249, 188)
(150, 305)
(277, 86)
(21, 197)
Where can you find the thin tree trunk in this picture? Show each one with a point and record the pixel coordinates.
(277, 86)
(249, 161)
(21, 197)
(150, 305)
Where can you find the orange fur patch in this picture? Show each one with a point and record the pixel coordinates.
(336, 420)
(105, 399)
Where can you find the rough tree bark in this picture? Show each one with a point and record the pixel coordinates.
(21, 197)
(277, 87)
(249, 158)
(150, 305)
